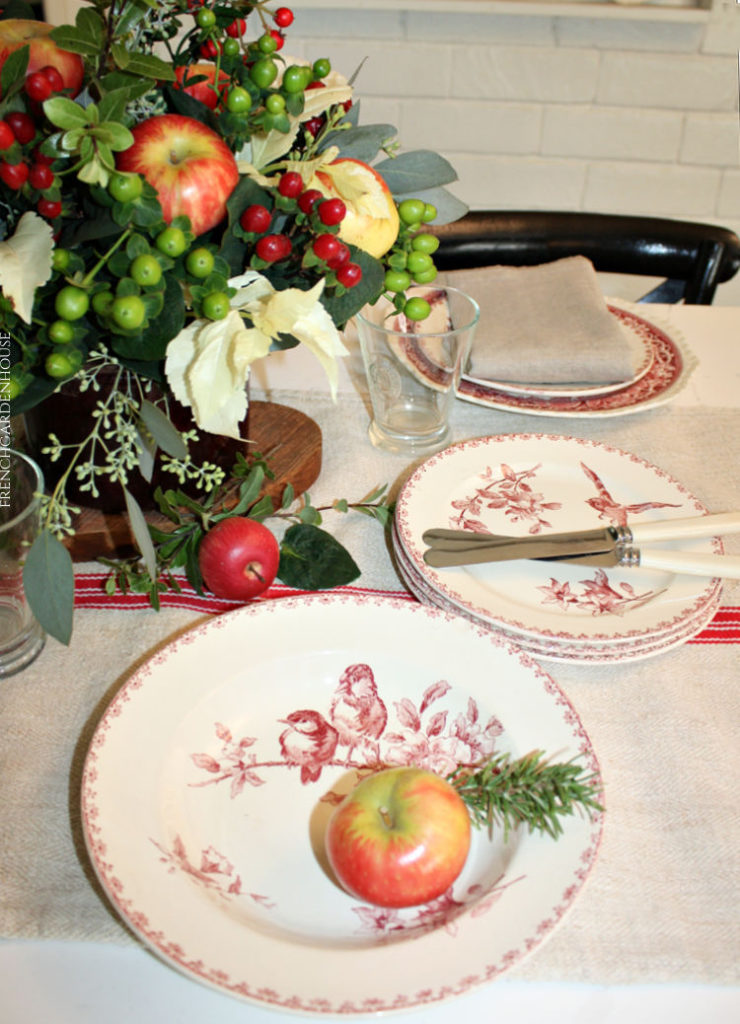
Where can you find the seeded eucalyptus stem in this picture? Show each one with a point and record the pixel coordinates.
(529, 790)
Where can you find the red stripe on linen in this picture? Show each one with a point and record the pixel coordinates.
(724, 628)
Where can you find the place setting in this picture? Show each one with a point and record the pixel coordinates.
(634, 569)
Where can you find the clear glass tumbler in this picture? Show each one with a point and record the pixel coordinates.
(413, 367)
(21, 483)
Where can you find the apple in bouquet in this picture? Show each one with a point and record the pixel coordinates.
(203, 90)
(192, 169)
(238, 558)
(371, 221)
(399, 838)
(43, 51)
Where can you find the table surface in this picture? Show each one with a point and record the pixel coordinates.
(653, 935)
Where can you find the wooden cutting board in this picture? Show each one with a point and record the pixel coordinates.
(290, 442)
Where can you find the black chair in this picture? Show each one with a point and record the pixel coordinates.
(693, 258)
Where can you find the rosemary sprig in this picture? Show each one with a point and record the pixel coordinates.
(528, 790)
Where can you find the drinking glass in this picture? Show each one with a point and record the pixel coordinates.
(21, 483)
(413, 367)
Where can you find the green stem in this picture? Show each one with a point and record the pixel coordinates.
(90, 276)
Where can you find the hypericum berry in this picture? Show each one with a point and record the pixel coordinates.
(125, 188)
(71, 303)
(128, 312)
(417, 308)
(41, 158)
(146, 270)
(49, 208)
(216, 305)
(6, 135)
(238, 100)
(326, 247)
(295, 78)
(53, 77)
(205, 18)
(418, 262)
(425, 243)
(397, 280)
(272, 248)
(231, 47)
(41, 177)
(237, 28)
(321, 67)
(430, 212)
(290, 185)
(275, 103)
(14, 175)
(349, 275)
(332, 211)
(283, 17)
(61, 332)
(171, 242)
(308, 199)
(210, 49)
(313, 125)
(200, 262)
(340, 258)
(263, 72)
(22, 126)
(411, 211)
(278, 37)
(267, 43)
(38, 87)
(256, 219)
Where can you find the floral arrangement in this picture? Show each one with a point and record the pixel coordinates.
(179, 198)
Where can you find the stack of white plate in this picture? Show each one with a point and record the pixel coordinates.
(532, 484)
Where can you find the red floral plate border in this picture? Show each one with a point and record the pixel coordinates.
(213, 770)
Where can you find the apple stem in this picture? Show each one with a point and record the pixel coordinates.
(386, 817)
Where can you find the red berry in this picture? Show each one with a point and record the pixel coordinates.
(332, 211)
(14, 175)
(283, 17)
(290, 185)
(341, 257)
(237, 28)
(256, 219)
(210, 49)
(50, 208)
(38, 87)
(349, 275)
(41, 176)
(278, 37)
(22, 126)
(313, 125)
(326, 247)
(6, 135)
(272, 248)
(308, 199)
(42, 158)
(53, 77)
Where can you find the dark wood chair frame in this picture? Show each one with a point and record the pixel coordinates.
(693, 258)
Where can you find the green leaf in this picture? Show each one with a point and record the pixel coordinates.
(90, 25)
(113, 105)
(117, 136)
(167, 436)
(14, 70)
(362, 143)
(417, 169)
(311, 559)
(141, 534)
(150, 67)
(48, 581)
(65, 114)
(68, 37)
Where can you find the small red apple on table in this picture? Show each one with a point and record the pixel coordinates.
(192, 169)
(43, 51)
(238, 558)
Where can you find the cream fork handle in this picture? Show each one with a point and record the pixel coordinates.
(675, 529)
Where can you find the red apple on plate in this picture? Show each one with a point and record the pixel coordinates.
(399, 838)
(190, 166)
(203, 90)
(371, 222)
(238, 558)
(43, 51)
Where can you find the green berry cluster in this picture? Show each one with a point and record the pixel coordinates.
(411, 260)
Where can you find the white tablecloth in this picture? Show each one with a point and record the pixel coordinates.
(654, 934)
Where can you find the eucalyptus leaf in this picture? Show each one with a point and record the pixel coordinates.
(311, 559)
(167, 436)
(48, 582)
(141, 534)
(363, 143)
(417, 169)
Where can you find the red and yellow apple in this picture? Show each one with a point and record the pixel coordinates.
(43, 51)
(192, 169)
(204, 90)
(399, 838)
(371, 222)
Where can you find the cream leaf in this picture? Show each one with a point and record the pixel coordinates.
(25, 262)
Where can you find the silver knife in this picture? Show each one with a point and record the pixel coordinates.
(609, 546)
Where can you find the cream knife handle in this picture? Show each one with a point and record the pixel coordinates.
(696, 526)
(692, 563)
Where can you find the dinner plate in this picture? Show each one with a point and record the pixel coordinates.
(554, 649)
(643, 354)
(667, 375)
(520, 484)
(212, 773)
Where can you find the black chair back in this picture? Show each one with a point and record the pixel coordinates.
(693, 258)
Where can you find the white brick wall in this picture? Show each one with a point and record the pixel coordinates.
(592, 108)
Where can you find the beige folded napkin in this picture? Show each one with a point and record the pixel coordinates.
(547, 324)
